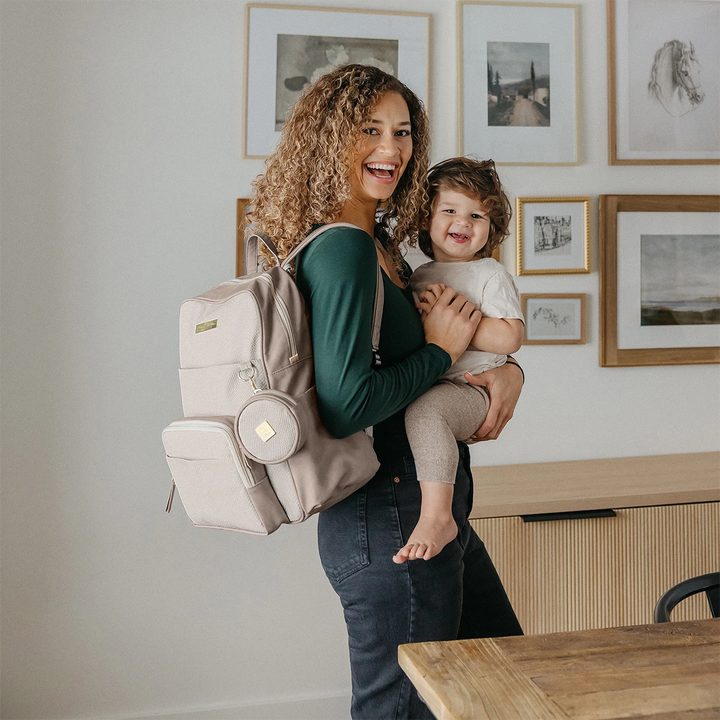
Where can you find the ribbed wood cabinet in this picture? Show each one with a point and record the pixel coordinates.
(574, 574)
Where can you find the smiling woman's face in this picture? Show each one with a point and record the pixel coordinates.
(383, 150)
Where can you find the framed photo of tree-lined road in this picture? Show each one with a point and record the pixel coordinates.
(659, 279)
(518, 82)
(663, 82)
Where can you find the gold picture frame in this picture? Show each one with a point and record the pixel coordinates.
(308, 34)
(545, 131)
(633, 331)
(633, 107)
(554, 318)
(552, 235)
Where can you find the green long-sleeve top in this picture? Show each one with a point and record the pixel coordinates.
(336, 275)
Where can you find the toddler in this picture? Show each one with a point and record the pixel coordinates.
(469, 218)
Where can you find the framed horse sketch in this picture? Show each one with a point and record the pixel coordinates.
(553, 319)
(287, 47)
(663, 82)
(518, 82)
(659, 279)
(553, 235)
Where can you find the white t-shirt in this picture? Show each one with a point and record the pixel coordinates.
(490, 286)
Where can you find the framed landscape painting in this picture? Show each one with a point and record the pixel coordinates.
(518, 82)
(288, 47)
(663, 82)
(659, 279)
(553, 235)
(554, 319)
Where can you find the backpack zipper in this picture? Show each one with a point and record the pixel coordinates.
(284, 317)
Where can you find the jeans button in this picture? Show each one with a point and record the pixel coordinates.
(397, 479)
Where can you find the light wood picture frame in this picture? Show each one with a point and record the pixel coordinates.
(510, 55)
(663, 82)
(659, 280)
(289, 46)
(243, 207)
(554, 318)
(552, 235)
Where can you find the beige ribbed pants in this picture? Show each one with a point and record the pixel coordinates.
(447, 412)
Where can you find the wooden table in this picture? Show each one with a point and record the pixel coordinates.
(666, 671)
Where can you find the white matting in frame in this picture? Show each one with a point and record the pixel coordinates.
(287, 47)
(529, 115)
(667, 81)
(632, 227)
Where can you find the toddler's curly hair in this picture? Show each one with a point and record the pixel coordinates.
(475, 178)
(306, 179)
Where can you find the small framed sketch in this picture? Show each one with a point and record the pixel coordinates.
(659, 279)
(553, 235)
(552, 319)
(663, 82)
(288, 47)
(518, 82)
(243, 208)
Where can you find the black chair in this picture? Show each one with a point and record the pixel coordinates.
(709, 583)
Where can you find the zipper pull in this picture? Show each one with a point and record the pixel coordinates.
(168, 507)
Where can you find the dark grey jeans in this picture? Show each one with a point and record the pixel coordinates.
(457, 594)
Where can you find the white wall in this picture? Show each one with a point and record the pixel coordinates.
(121, 125)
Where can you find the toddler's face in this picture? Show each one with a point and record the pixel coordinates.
(459, 226)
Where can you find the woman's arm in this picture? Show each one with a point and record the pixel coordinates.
(504, 384)
(337, 276)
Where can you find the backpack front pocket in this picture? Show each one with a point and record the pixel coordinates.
(215, 485)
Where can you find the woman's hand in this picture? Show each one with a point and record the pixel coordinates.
(504, 385)
(451, 323)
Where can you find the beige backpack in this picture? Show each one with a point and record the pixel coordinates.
(251, 453)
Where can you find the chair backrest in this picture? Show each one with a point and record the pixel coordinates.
(708, 583)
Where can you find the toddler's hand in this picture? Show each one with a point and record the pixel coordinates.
(428, 297)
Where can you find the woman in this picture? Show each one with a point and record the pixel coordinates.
(355, 150)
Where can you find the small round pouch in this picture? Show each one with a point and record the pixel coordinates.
(270, 427)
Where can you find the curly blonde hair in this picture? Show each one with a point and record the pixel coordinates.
(306, 179)
(476, 178)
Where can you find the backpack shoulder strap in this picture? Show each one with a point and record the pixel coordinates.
(379, 289)
(252, 249)
(285, 264)
(377, 316)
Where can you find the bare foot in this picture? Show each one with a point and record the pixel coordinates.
(429, 537)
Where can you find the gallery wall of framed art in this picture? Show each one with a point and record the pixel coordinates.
(520, 93)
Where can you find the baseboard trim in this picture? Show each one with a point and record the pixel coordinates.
(331, 707)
